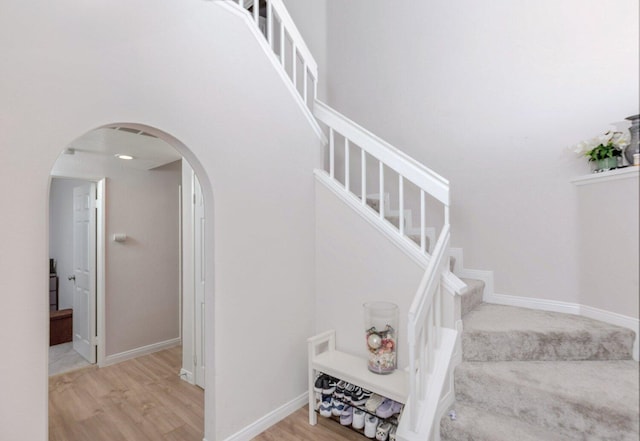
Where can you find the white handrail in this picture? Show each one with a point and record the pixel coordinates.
(295, 36)
(299, 49)
(425, 318)
(423, 177)
(424, 296)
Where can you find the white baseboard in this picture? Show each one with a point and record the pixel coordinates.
(532, 303)
(273, 417)
(571, 308)
(187, 376)
(144, 350)
(490, 296)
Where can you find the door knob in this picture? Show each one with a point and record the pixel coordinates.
(72, 278)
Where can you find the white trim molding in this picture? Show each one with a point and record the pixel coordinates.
(611, 175)
(571, 308)
(370, 215)
(138, 352)
(186, 376)
(257, 427)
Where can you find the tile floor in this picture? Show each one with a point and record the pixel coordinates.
(62, 358)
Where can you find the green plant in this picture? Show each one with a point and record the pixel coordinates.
(609, 145)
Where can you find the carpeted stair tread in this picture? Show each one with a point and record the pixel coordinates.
(497, 333)
(472, 296)
(473, 424)
(580, 400)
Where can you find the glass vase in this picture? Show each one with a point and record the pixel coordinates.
(381, 332)
(605, 164)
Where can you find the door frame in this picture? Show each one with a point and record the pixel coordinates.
(100, 260)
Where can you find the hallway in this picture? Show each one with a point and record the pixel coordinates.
(140, 399)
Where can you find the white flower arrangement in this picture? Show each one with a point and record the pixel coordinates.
(608, 145)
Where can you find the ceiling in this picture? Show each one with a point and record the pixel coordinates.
(148, 151)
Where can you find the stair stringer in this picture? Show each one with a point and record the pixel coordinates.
(373, 201)
(235, 9)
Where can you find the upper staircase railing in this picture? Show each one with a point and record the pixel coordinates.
(414, 185)
(282, 35)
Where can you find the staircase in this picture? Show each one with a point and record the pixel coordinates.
(536, 375)
(525, 374)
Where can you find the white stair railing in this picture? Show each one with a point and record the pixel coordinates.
(426, 315)
(387, 157)
(285, 40)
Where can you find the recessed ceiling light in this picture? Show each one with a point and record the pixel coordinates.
(126, 157)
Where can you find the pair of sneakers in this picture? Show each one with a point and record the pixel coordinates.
(351, 393)
(325, 384)
(327, 406)
(382, 407)
(379, 429)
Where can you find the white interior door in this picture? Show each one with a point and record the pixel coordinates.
(199, 264)
(84, 271)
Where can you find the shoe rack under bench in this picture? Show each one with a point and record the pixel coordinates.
(323, 357)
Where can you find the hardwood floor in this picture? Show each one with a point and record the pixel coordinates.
(296, 428)
(145, 400)
(137, 400)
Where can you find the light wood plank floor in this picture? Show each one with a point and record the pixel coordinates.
(145, 400)
(137, 400)
(296, 428)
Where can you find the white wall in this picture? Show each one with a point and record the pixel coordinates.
(61, 236)
(355, 264)
(489, 95)
(609, 245)
(193, 71)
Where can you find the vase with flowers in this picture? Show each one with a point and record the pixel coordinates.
(603, 151)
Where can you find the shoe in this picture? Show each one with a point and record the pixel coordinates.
(382, 432)
(326, 406)
(346, 417)
(388, 408)
(348, 390)
(397, 408)
(358, 419)
(317, 386)
(392, 433)
(370, 426)
(373, 402)
(360, 396)
(340, 387)
(329, 385)
(337, 407)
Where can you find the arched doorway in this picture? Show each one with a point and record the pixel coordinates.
(141, 305)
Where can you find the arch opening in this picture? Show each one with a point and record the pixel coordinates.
(123, 200)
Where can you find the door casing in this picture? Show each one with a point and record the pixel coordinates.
(100, 261)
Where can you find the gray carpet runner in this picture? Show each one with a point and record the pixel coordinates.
(534, 375)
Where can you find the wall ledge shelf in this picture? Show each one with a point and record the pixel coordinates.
(611, 175)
